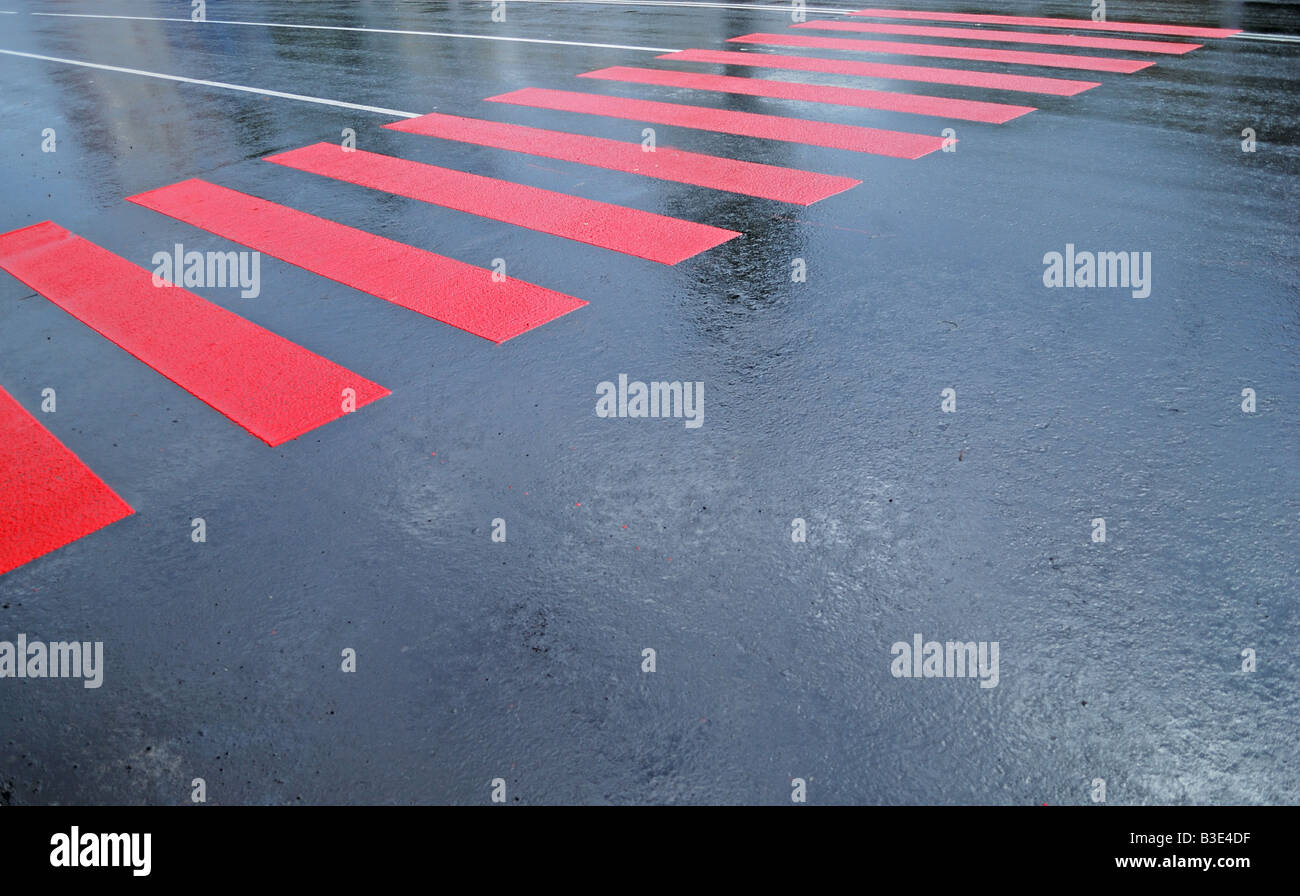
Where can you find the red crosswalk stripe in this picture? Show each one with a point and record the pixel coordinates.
(963, 110)
(451, 291)
(1039, 22)
(1006, 37)
(897, 144)
(732, 175)
(627, 230)
(48, 497)
(943, 51)
(886, 70)
(268, 385)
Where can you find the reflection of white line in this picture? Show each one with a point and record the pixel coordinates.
(1280, 38)
(222, 84)
(520, 40)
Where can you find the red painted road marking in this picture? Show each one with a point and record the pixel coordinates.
(1080, 24)
(964, 110)
(747, 178)
(1007, 37)
(447, 290)
(48, 498)
(941, 51)
(268, 385)
(748, 124)
(886, 70)
(628, 230)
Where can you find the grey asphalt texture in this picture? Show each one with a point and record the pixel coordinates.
(479, 660)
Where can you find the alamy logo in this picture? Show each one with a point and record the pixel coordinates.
(58, 659)
(77, 850)
(205, 269)
(636, 399)
(953, 659)
(1102, 269)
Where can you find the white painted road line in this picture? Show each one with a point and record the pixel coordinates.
(1280, 38)
(520, 40)
(785, 9)
(379, 110)
(1245, 35)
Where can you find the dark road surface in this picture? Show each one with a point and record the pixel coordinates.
(522, 660)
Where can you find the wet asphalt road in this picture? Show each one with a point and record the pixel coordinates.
(522, 660)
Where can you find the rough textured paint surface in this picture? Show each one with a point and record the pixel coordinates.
(453, 292)
(732, 175)
(941, 51)
(898, 144)
(48, 498)
(963, 110)
(887, 70)
(622, 229)
(273, 388)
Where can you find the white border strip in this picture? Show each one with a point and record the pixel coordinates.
(521, 40)
(785, 8)
(379, 110)
(1279, 38)
(1245, 35)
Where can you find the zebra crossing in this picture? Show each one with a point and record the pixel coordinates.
(227, 362)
